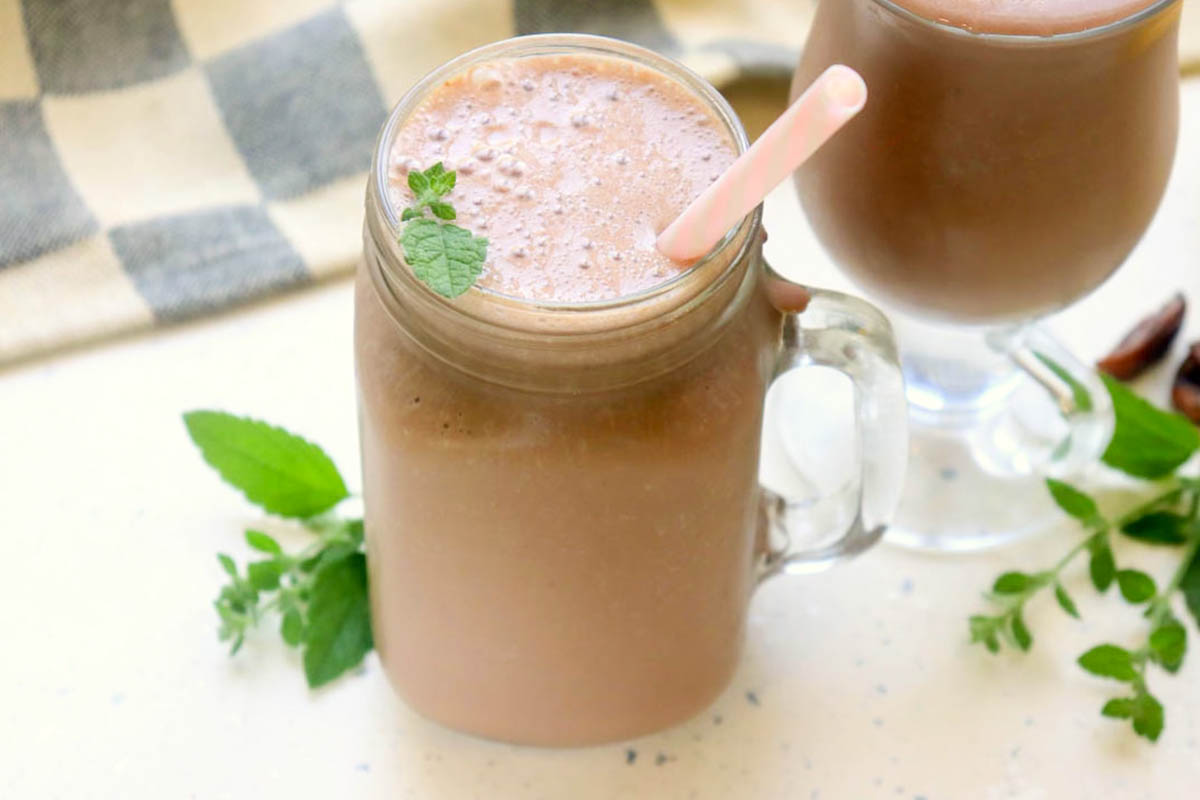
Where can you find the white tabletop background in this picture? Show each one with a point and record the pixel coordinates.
(858, 683)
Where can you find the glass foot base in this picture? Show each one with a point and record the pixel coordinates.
(978, 458)
(956, 500)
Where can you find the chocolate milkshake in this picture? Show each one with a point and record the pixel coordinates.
(562, 506)
(1011, 156)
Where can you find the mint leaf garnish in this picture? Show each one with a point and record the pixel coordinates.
(1136, 586)
(263, 543)
(1065, 602)
(1157, 527)
(447, 258)
(339, 621)
(276, 470)
(1071, 500)
(1168, 644)
(1109, 661)
(319, 592)
(1147, 441)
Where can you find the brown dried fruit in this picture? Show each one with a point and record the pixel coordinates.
(1147, 343)
(1185, 395)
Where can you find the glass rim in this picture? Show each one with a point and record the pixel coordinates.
(557, 43)
(1032, 38)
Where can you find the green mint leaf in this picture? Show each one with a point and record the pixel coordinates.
(1102, 567)
(443, 210)
(1011, 583)
(1148, 716)
(277, 470)
(410, 213)
(339, 621)
(1136, 586)
(1109, 661)
(328, 556)
(228, 565)
(263, 543)
(1020, 631)
(264, 575)
(1079, 392)
(446, 258)
(1157, 527)
(983, 631)
(418, 182)
(292, 628)
(1064, 601)
(1072, 501)
(1168, 645)
(1189, 585)
(1147, 441)
(442, 183)
(1119, 708)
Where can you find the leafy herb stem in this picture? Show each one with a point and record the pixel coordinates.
(1153, 445)
(1170, 497)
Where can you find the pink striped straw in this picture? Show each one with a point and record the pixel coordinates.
(832, 101)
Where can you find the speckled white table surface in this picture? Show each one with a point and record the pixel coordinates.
(858, 683)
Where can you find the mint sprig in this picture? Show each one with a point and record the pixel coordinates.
(1147, 443)
(445, 257)
(319, 593)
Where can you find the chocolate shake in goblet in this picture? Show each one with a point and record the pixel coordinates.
(1011, 156)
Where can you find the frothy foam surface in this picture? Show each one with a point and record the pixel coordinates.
(1033, 17)
(570, 165)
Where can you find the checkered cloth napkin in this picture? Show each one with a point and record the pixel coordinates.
(162, 159)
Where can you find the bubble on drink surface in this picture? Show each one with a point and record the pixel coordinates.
(437, 133)
(512, 167)
(621, 157)
(580, 120)
(706, 156)
(483, 118)
(486, 154)
(502, 185)
(586, 244)
(596, 181)
(528, 85)
(467, 167)
(524, 193)
(613, 95)
(615, 255)
(558, 210)
(402, 165)
(486, 78)
(518, 252)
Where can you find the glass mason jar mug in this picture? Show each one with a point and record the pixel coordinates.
(563, 514)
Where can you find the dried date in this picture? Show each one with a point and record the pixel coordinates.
(1147, 343)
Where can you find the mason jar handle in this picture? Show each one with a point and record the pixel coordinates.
(830, 329)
